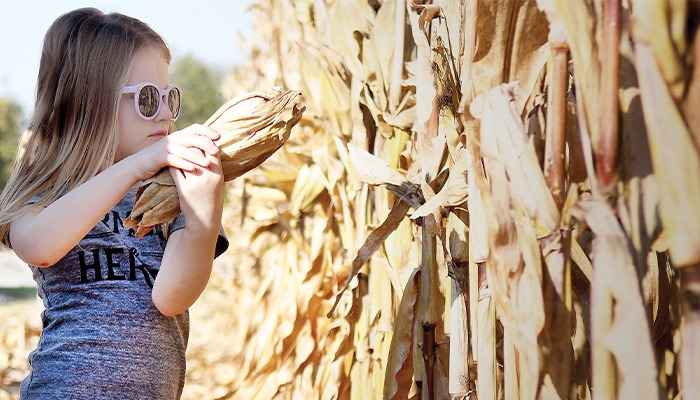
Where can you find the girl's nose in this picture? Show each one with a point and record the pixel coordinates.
(164, 112)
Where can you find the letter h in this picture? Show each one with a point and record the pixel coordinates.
(85, 266)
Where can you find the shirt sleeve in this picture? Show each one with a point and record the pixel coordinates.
(222, 242)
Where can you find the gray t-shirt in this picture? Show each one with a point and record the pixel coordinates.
(102, 336)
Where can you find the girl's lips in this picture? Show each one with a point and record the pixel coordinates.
(160, 134)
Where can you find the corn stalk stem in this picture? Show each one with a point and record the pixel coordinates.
(477, 226)
(607, 148)
(459, 336)
(690, 331)
(486, 366)
(459, 307)
(469, 24)
(555, 134)
(429, 312)
(603, 366)
(559, 308)
(511, 389)
(397, 65)
(462, 308)
(429, 359)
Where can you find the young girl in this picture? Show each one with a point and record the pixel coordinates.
(115, 323)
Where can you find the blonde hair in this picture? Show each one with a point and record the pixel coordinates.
(85, 62)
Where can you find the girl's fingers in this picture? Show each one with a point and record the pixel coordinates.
(192, 154)
(208, 132)
(192, 140)
(214, 161)
(207, 146)
(201, 130)
(193, 147)
(189, 158)
(180, 164)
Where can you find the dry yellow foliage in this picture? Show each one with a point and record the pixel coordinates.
(452, 153)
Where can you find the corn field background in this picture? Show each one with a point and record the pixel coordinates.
(483, 199)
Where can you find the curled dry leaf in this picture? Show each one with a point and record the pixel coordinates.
(453, 193)
(252, 128)
(374, 171)
(427, 13)
(372, 244)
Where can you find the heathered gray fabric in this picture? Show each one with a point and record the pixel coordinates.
(102, 336)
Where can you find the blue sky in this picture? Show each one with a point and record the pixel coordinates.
(207, 29)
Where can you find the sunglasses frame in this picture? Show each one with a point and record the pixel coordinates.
(163, 98)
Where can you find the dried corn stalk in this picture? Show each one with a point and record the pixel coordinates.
(382, 79)
(252, 127)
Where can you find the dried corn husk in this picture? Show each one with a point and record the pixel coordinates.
(252, 127)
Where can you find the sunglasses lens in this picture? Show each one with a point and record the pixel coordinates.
(149, 100)
(174, 101)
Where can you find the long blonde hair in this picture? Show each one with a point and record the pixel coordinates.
(85, 62)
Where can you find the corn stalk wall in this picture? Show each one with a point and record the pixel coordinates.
(483, 200)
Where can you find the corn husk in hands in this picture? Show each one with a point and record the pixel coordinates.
(252, 126)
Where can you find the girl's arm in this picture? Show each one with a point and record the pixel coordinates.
(43, 237)
(189, 253)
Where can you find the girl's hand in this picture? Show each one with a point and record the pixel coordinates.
(185, 149)
(201, 194)
(189, 252)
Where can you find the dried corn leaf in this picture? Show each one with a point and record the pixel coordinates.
(372, 244)
(675, 159)
(372, 170)
(511, 46)
(423, 78)
(375, 171)
(619, 326)
(510, 145)
(310, 183)
(346, 20)
(325, 77)
(453, 193)
(514, 268)
(252, 127)
(663, 26)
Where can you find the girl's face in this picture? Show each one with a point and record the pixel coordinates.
(133, 132)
